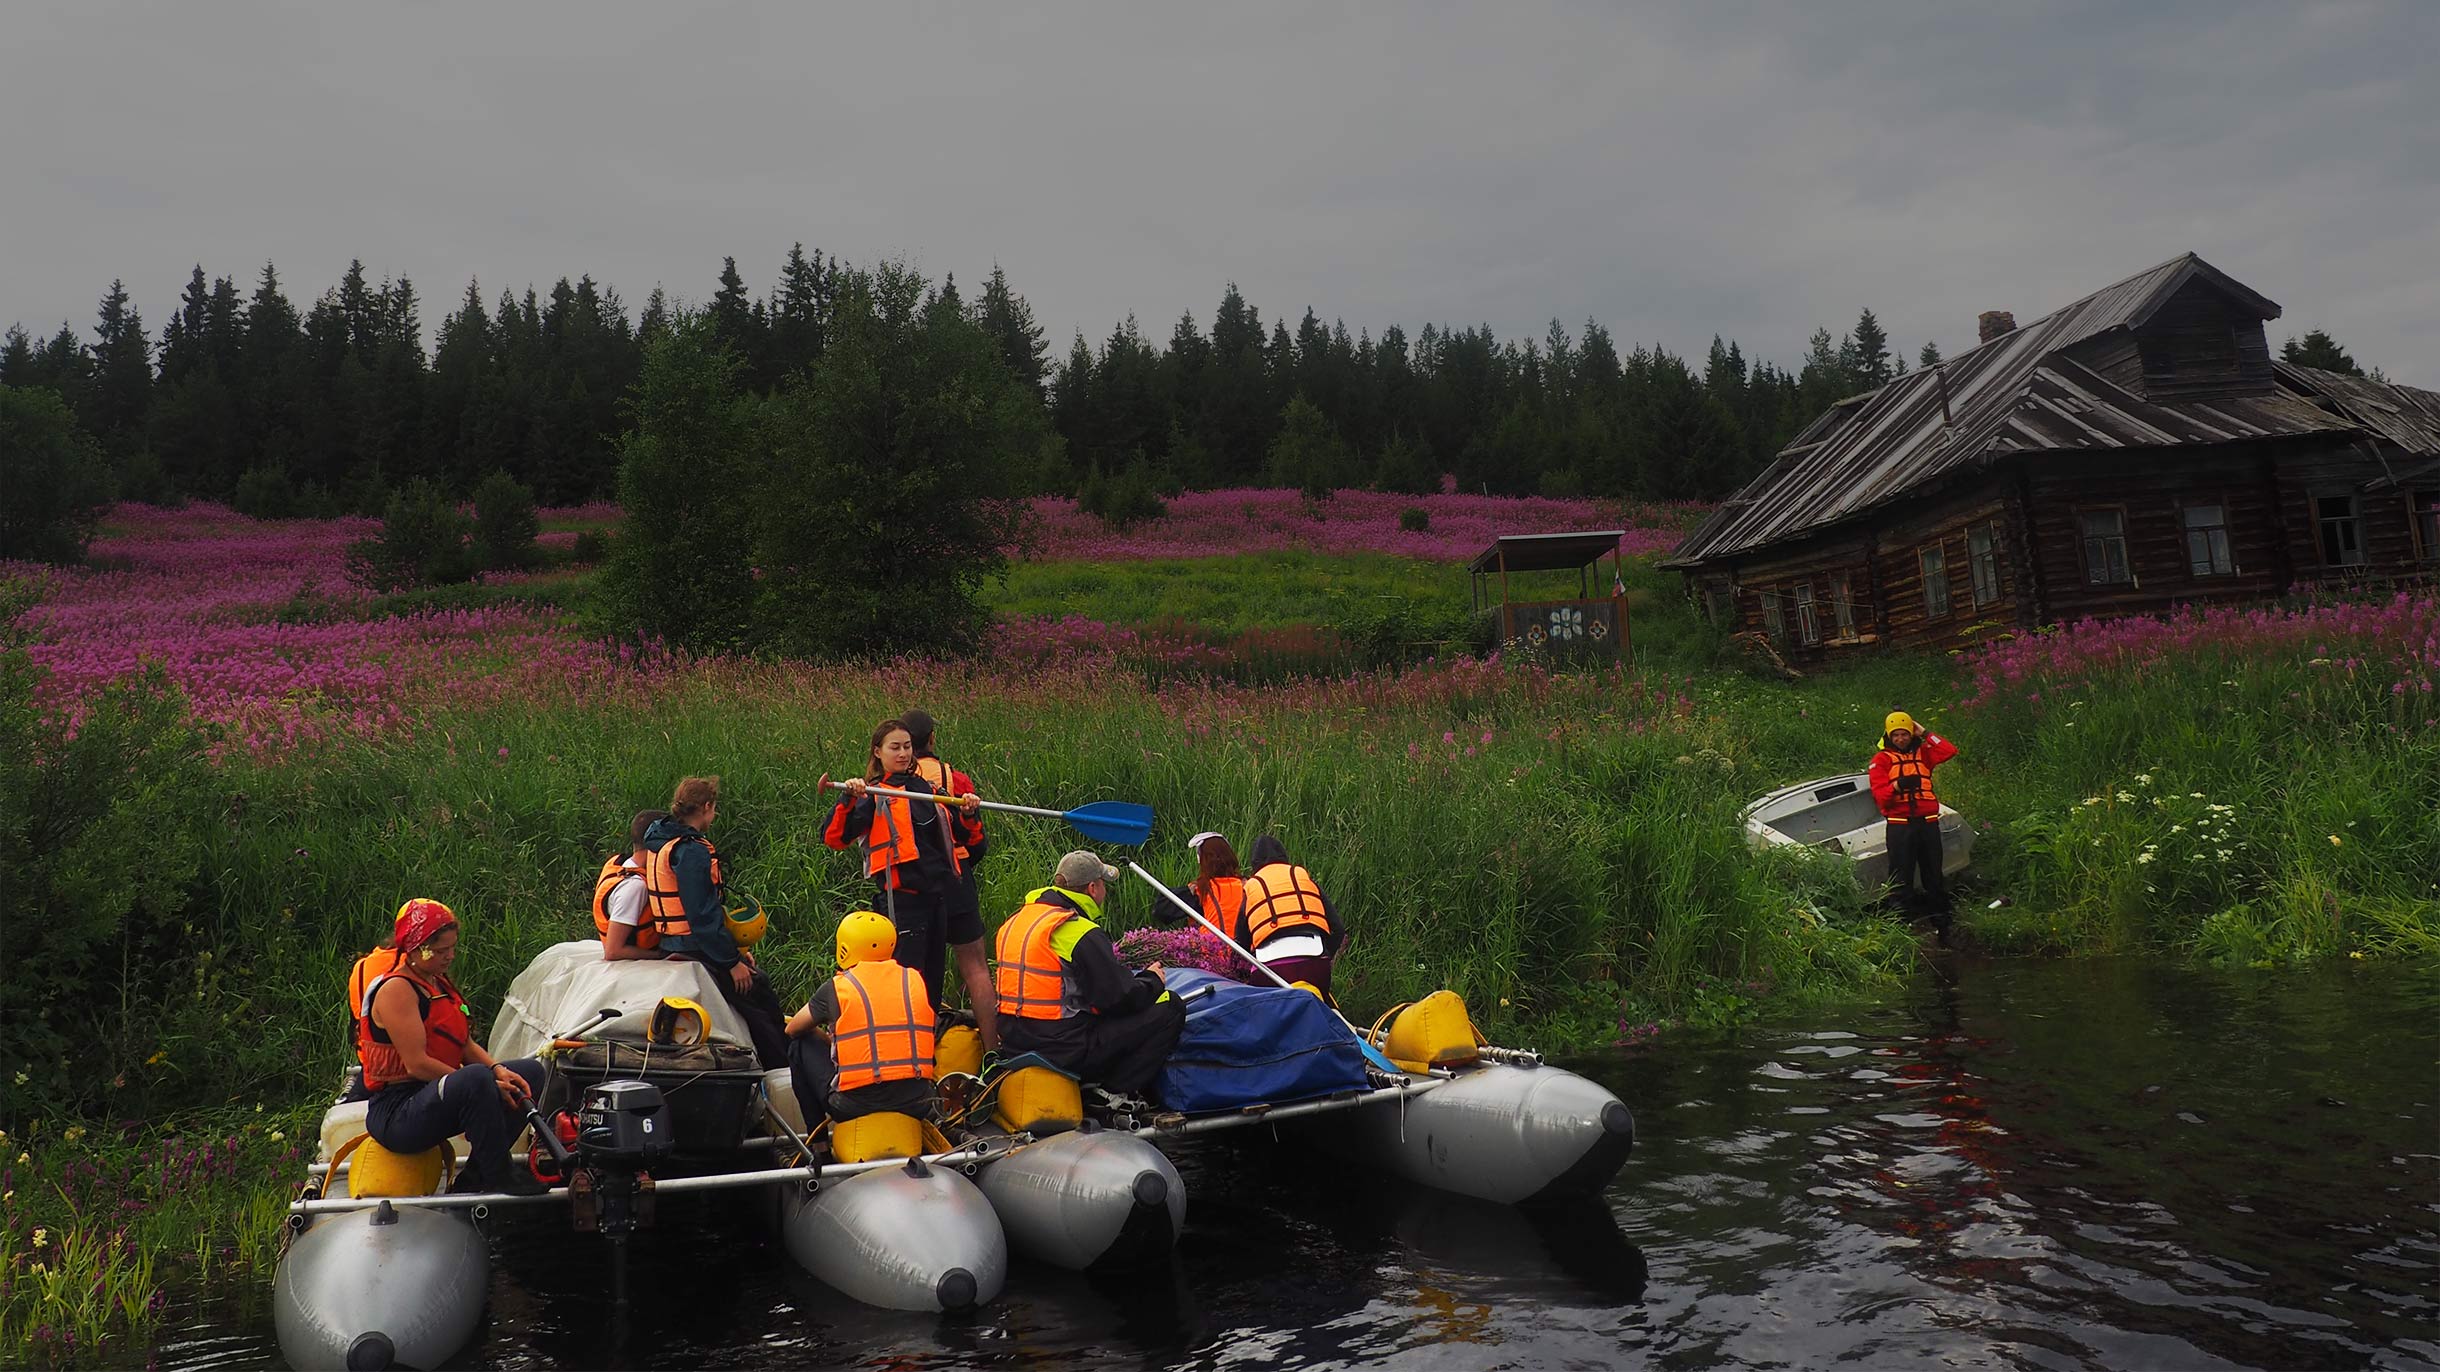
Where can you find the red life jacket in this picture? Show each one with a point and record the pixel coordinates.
(885, 1030)
(1280, 899)
(613, 873)
(446, 1030)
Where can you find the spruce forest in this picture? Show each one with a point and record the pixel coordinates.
(243, 397)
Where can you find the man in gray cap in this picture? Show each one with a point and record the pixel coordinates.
(1064, 994)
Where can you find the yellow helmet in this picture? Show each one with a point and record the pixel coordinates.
(866, 936)
(678, 1021)
(747, 922)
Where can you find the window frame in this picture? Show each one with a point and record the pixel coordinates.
(2085, 541)
(1924, 553)
(1808, 614)
(2353, 519)
(1842, 605)
(1977, 563)
(1774, 623)
(2186, 530)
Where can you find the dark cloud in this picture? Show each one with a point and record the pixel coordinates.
(1746, 169)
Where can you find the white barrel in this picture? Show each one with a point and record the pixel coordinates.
(1087, 1198)
(917, 1237)
(1497, 1132)
(385, 1287)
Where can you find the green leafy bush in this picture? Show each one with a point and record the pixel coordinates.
(1125, 500)
(505, 525)
(1414, 519)
(56, 483)
(266, 493)
(592, 546)
(425, 540)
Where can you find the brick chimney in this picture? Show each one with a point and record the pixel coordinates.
(1992, 323)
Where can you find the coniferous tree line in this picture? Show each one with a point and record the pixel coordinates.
(243, 395)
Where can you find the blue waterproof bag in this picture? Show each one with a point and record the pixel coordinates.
(1244, 1045)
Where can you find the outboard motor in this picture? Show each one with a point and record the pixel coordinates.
(623, 1129)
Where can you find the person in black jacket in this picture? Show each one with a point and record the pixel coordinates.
(910, 849)
(1064, 994)
(685, 893)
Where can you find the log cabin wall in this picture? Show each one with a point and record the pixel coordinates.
(1967, 542)
(2124, 533)
(2336, 531)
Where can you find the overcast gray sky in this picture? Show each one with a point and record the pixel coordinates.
(1670, 170)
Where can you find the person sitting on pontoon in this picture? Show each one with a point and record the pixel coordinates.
(620, 911)
(1285, 921)
(1063, 993)
(863, 1043)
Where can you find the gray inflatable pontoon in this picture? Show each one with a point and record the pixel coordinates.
(381, 1287)
(1496, 1131)
(915, 1236)
(1090, 1197)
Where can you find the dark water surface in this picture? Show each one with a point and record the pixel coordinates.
(2050, 1165)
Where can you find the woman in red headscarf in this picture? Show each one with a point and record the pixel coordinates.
(429, 1079)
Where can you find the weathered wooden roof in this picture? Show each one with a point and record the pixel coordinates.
(2407, 416)
(1546, 552)
(2013, 394)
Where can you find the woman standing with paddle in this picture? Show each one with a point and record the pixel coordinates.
(910, 848)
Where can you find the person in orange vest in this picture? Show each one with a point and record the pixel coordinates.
(1901, 776)
(1064, 994)
(863, 1043)
(620, 910)
(963, 926)
(1218, 888)
(428, 1077)
(1286, 922)
(910, 849)
(686, 893)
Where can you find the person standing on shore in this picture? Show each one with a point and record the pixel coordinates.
(964, 927)
(1901, 776)
(686, 894)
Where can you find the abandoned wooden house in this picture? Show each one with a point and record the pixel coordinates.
(2136, 450)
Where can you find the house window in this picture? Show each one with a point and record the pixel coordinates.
(2105, 547)
(1935, 562)
(1808, 623)
(2207, 541)
(2425, 507)
(1982, 559)
(1842, 605)
(1773, 623)
(2342, 530)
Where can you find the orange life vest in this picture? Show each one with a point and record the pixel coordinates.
(1911, 804)
(446, 1030)
(368, 969)
(885, 1030)
(1224, 901)
(661, 889)
(890, 841)
(938, 775)
(613, 872)
(1031, 980)
(1282, 899)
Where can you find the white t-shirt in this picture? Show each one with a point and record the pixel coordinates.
(626, 903)
(1291, 946)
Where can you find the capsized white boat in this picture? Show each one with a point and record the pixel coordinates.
(1837, 815)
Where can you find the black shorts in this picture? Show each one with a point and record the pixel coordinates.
(964, 925)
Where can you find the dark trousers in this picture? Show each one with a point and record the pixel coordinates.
(1314, 972)
(1119, 1052)
(758, 1006)
(813, 1073)
(1914, 855)
(411, 1117)
(922, 918)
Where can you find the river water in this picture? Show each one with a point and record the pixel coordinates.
(2105, 1164)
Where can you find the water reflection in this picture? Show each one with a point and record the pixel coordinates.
(2113, 1165)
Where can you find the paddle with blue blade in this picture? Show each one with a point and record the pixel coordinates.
(1103, 821)
(1371, 1054)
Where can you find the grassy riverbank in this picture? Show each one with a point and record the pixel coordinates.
(1559, 846)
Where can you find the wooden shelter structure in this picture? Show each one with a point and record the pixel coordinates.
(2132, 451)
(1591, 624)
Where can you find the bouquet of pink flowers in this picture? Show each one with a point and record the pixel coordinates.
(1192, 946)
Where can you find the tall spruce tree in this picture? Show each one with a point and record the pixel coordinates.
(1009, 322)
(2320, 350)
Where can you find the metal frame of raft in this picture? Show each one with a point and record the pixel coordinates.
(972, 1155)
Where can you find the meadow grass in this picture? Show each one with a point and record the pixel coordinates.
(1258, 590)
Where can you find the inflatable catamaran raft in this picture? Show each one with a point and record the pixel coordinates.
(383, 1269)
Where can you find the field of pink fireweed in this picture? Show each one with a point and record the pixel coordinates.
(1224, 523)
(200, 590)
